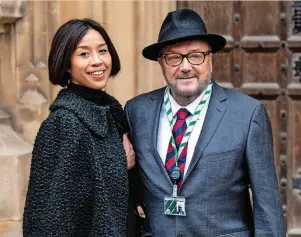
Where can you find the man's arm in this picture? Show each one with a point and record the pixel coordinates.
(267, 207)
(136, 188)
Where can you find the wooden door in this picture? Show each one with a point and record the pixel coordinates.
(262, 58)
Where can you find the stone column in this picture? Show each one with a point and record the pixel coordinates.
(149, 18)
(15, 153)
(15, 156)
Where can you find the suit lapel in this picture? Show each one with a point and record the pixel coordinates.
(157, 100)
(215, 112)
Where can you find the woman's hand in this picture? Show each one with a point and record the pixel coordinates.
(129, 151)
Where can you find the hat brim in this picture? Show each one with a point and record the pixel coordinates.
(217, 42)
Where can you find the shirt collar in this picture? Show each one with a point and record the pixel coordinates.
(190, 107)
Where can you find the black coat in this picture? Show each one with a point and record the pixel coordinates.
(78, 183)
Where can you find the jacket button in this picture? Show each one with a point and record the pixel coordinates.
(180, 235)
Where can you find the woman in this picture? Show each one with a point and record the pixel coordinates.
(79, 181)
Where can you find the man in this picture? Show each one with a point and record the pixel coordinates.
(180, 210)
(202, 145)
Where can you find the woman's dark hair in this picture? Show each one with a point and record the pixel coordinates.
(64, 44)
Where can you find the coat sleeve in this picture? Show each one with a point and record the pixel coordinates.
(60, 174)
(136, 190)
(267, 208)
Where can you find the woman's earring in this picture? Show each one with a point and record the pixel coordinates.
(67, 77)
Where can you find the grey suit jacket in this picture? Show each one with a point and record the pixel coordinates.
(234, 152)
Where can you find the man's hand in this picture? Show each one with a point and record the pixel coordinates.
(129, 151)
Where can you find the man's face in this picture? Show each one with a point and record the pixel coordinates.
(186, 79)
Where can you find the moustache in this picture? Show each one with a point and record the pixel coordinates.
(186, 76)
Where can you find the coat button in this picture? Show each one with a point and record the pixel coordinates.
(180, 235)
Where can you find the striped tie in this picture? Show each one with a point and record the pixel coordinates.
(178, 132)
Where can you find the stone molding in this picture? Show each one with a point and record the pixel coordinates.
(10, 11)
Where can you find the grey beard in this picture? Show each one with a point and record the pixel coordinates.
(186, 97)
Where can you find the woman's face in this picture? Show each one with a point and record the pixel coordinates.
(91, 62)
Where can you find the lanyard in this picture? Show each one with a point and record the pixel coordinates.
(192, 123)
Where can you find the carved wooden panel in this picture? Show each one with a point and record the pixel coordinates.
(293, 63)
(263, 60)
(294, 170)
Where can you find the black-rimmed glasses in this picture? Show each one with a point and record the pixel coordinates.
(175, 59)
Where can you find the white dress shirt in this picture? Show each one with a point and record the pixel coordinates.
(164, 130)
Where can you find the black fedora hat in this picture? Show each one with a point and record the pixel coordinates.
(182, 25)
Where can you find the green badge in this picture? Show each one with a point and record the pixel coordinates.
(174, 206)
